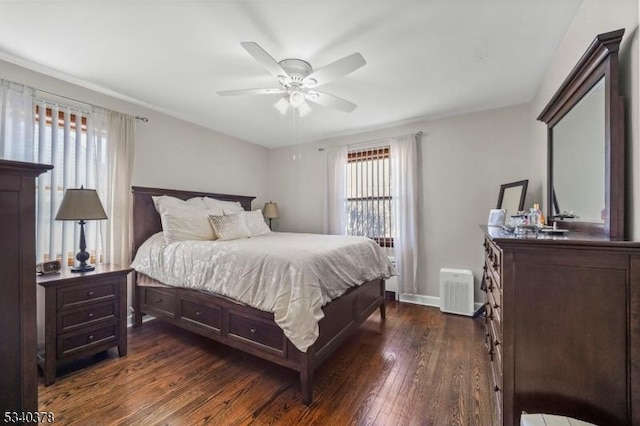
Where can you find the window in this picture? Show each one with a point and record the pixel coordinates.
(368, 195)
(61, 139)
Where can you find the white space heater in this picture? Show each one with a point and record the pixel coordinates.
(456, 291)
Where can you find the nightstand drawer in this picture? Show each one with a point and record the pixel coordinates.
(70, 344)
(77, 296)
(69, 321)
(257, 332)
(207, 316)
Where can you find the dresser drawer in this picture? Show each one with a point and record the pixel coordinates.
(82, 295)
(496, 344)
(157, 300)
(496, 389)
(257, 332)
(494, 297)
(493, 261)
(93, 314)
(206, 316)
(72, 343)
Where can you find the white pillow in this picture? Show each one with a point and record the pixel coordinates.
(255, 223)
(230, 227)
(164, 202)
(229, 207)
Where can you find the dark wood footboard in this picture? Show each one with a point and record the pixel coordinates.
(253, 331)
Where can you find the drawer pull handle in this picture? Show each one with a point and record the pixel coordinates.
(197, 313)
(90, 315)
(158, 300)
(252, 330)
(90, 293)
(91, 337)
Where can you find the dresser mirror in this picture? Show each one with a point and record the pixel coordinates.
(585, 133)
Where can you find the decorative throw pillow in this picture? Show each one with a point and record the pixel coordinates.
(255, 223)
(229, 207)
(230, 227)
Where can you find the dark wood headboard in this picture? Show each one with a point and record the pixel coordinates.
(146, 221)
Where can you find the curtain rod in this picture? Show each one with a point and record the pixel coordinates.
(420, 133)
(137, 117)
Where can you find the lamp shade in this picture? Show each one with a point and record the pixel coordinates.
(270, 210)
(81, 204)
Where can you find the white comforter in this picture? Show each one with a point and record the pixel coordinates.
(291, 275)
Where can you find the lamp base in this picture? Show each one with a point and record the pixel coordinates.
(83, 268)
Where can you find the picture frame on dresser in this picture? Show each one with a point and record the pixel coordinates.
(512, 196)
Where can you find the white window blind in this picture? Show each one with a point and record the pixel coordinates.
(368, 195)
(61, 139)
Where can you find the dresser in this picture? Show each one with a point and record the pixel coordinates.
(19, 375)
(562, 319)
(85, 313)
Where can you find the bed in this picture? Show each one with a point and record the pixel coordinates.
(237, 325)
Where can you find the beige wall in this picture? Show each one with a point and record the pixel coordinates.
(463, 162)
(595, 17)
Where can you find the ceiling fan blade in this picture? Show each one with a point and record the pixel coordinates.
(334, 70)
(331, 101)
(267, 61)
(250, 92)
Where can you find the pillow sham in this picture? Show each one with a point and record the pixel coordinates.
(186, 224)
(229, 227)
(164, 202)
(255, 223)
(229, 207)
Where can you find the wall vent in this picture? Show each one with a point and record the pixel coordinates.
(456, 291)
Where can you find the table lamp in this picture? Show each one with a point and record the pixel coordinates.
(270, 211)
(81, 205)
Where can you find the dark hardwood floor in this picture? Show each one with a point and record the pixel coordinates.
(418, 367)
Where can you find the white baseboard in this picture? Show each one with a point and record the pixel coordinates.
(419, 299)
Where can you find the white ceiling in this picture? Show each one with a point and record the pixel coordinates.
(425, 58)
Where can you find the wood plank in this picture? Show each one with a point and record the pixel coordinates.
(418, 367)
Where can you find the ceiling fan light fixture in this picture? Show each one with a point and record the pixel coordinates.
(311, 95)
(296, 98)
(282, 106)
(304, 109)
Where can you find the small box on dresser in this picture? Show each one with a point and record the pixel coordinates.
(85, 313)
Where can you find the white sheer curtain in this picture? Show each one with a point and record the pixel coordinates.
(113, 134)
(404, 178)
(335, 205)
(16, 122)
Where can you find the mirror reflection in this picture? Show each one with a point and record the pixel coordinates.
(578, 156)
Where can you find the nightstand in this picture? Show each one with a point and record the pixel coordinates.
(85, 313)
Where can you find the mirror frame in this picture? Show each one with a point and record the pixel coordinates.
(598, 62)
(523, 184)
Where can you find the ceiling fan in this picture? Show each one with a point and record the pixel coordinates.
(298, 81)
